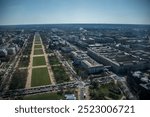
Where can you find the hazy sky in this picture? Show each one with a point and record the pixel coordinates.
(74, 11)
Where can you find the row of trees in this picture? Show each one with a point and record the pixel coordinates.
(104, 91)
(18, 79)
(60, 74)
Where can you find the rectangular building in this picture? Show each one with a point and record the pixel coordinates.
(120, 61)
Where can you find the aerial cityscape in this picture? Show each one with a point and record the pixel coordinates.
(75, 61)
(74, 58)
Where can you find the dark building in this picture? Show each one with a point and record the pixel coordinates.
(140, 84)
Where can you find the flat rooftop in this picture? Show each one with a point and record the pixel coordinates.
(91, 63)
(142, 54)
(80, 55)
(115, 54)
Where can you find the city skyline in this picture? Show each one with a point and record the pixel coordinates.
(74, 11)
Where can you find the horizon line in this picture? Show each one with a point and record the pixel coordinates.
(72, 24)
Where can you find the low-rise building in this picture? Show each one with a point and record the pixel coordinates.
(66, 49)
(120, 61)
(90, 65)
(139, 82)
(78, 56)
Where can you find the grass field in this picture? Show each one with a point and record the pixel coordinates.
(40, 77)
(40, 60)
(37, 38)
(37, 42)
(37, 46)
(45, 96)
(38, 52)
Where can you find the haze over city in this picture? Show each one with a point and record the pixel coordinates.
(74, 50)
(14, 12)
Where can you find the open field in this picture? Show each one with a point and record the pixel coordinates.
(37, 46)
(38, 52)
(37, 38)
(37, 42)
(60, 74)
(40, 60)
(45, 96)
(40, 77)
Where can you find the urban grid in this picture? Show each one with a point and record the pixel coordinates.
(75, 62)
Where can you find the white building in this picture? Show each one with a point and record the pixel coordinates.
(92, 66)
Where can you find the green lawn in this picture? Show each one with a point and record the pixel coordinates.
(37, 38)
(40, 77)
(37, 42)
(37, 46)
(40, 60)
(45, 96)
(60, 74)
(37, 52)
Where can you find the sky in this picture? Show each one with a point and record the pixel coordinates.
(14, 12)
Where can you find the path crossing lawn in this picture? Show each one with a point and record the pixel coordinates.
(37, 46)
(37, 42)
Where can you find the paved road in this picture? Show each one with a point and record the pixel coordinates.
(11, 69)
(50, 72)
(51, 76)
(28, 82)
(73, 76)
(39, 89)
(77, 82)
